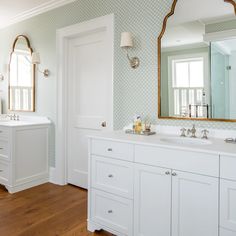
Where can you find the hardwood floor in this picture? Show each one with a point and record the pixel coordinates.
(46, 210)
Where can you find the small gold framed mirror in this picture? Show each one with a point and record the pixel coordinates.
(21, 88)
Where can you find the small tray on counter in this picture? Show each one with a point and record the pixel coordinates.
(144, 133)
(230, 140)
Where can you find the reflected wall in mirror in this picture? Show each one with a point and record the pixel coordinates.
(197, 68)
(21, 76)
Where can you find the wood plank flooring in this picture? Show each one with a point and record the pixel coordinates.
(46, 210)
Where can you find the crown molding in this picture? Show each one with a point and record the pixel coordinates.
(50, 5)
(221, 35)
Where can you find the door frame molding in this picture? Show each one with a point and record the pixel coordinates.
(63, 36)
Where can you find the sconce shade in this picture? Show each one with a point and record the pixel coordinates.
(126, 40)
(35, 58)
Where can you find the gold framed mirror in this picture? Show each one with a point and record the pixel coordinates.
(21, 86)
(195, 69)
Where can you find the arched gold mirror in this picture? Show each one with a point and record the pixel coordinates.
(21, 87)
(197, 61)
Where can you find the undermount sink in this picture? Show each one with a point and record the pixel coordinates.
(186, 141)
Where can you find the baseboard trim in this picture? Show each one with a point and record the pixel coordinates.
(52, 175)
(24, 186)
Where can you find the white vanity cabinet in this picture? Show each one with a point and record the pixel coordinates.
(228, 196)
(194, 204)
(152, 201)
(23, 156)
(180, 195)
(143, 189)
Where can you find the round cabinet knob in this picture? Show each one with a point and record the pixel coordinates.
(104, 124)
(110, 211)
(174, 174)
(109, 149)
(110, 176)
(167, 173)
(1, 170)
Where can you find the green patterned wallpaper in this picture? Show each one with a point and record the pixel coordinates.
(135, 91)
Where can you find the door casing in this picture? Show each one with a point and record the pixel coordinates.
(59, 175)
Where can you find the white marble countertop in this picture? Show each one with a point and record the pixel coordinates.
(25, 121)
(216, 146)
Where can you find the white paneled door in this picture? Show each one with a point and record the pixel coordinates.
(90, 69)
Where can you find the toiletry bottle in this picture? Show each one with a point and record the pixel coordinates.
(138, 125)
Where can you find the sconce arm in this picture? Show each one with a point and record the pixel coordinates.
(134, 61)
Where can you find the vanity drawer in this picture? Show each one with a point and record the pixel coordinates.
(194, 162)
(4, 133)
(228, 167)
(113, 176)
(117, 150)
(4, 153)
(4, 173)
(112, 211)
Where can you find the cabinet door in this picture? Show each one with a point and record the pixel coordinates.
(152, 201)
(228, 205)
(194, 205)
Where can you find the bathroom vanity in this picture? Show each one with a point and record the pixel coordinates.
(161, 185)
(23, 153)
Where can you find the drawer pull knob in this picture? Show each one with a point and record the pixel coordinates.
(110, 176)
(167, 173)
(109, 149)
(1, 170)
(110, 211)
(174, 174)
(1, 148)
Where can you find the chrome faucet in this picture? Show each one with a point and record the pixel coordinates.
(14, 117)
(192, 131)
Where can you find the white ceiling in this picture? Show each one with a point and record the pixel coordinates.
(187, 25)
(183, 34)
(12, 11)
(192, 10)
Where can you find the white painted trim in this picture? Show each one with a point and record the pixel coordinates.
(221, 35)
(63, 35)
(217, 20)
(50, 5)
(52, 175)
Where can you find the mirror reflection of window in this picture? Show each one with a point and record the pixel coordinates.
(21, 87)
(21, 83)
(188, 85)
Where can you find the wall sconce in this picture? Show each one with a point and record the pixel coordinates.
(36, 61)
(127, 43)
(3, 72)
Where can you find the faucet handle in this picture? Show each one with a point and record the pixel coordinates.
(183, 134)
(205, 132)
